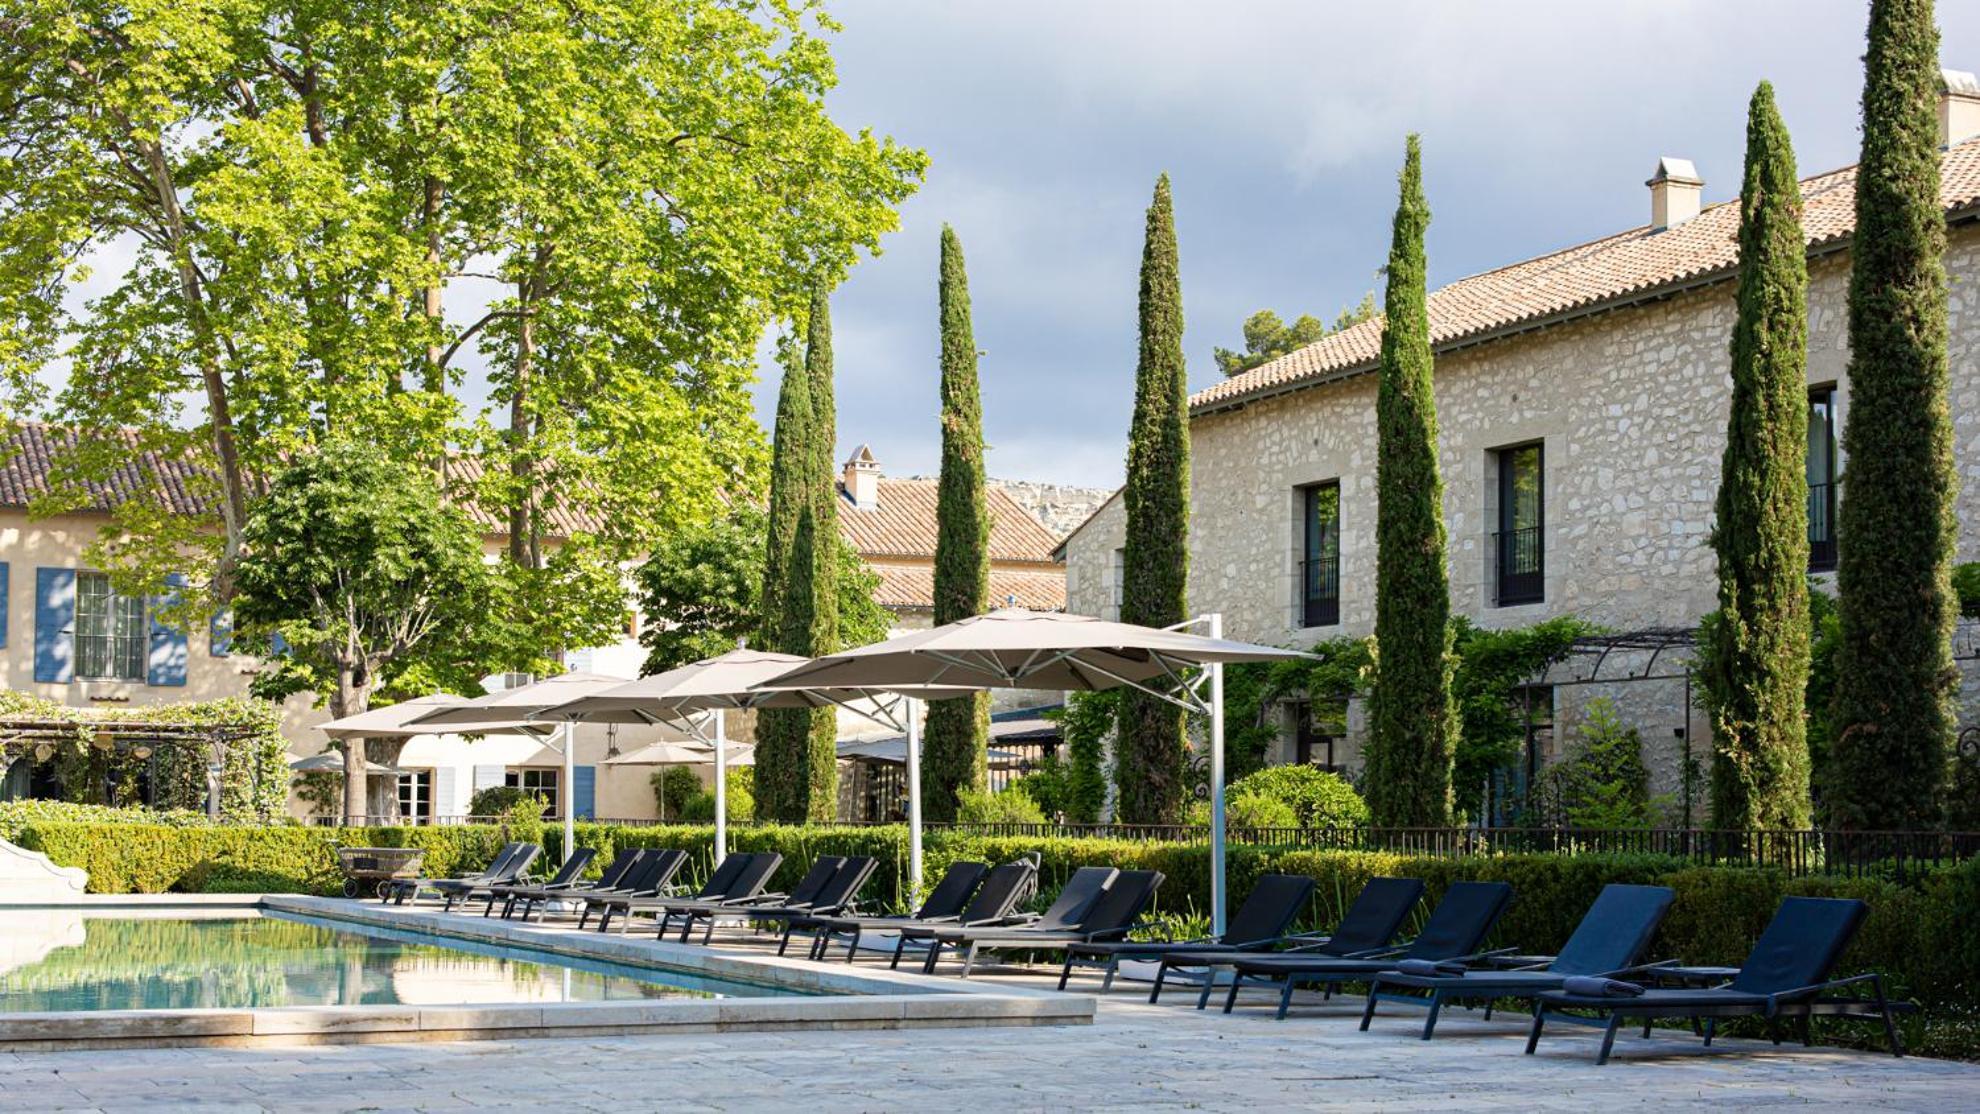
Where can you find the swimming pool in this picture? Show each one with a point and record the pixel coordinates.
(276, 959)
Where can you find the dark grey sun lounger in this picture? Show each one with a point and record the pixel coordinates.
(1368, 928)
(652, 877)
(1455, 931)
(1004, 889)
(1064, 915)
(839, 893)
(739, 878)
(1607, 943)
(1787, 976)
(411, 887)
(531, 896)
(748, 889)
(1116, 913)
(1274, 902)
(945, 903)
(566, 875)
(505, 868)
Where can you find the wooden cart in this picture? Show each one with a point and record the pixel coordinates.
(379, 867)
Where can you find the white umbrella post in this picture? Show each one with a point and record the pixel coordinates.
(721, 786)
(913, 709)
(1217, 896)
(570, 790)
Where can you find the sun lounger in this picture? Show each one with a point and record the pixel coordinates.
(836, 895)
(507, 866)
(1455, 931)
(740, 877)
(1274, 902)
(1112, 916)
(808, 888)
(1786, 977)
(652, 878)
(1368, 928)
(400, 890)
(530, 896)
(1607, 944)
(945, 903)
(566, 875)
(1075, 898)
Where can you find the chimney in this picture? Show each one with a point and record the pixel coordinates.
(862, 479)
(1675, 192)
(1959, 107)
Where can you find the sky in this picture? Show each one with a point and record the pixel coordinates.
(1281, 126)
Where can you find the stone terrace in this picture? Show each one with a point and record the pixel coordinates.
(1132, 1056)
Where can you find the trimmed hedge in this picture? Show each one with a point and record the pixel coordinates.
(1920, 934)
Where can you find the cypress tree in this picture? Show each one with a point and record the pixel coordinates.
(958, 735)
(780, 732)
(1757, 656)
(1412, 725)
(1893, 715)
(1148, 764)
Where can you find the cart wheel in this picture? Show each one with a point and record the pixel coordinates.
(350, 887)
(385, 890)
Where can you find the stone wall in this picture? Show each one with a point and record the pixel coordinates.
(1630, 408)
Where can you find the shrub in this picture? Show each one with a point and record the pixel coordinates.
(495, 800)
(1247, 810)
(1012, 806)
(674, 787)
(700, 809)
(1602, 783)
(1314, 797)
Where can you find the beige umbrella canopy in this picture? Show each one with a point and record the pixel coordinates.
(392, 720)
(333, 761)
(671, 752)
(1016, 648)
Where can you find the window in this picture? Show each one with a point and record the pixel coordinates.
(1120, 580)
(1822, 479)
(110, 631)
(543, 783)
(416, 796)
(1312, 746)
(1320, 561)
(1519, 544)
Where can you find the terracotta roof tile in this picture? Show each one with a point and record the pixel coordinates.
(911, 587)
(902, 524)
(1584, 278)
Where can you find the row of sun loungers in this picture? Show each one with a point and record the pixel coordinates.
(1600, 976)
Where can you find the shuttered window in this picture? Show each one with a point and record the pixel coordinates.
(111, 633)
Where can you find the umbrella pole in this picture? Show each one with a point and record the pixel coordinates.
(1217, 894)
(721, 786)
(570, 790)
(913, 708)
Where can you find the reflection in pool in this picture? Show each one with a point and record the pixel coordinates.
(66, 962)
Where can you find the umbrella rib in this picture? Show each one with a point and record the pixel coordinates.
(1192, 705)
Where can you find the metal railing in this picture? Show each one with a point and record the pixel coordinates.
(1521, 566)
(1821, 527)
(1320, 591)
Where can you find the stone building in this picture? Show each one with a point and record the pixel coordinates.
(1581, 401)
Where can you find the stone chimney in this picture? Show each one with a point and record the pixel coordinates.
(1676, 191)
(1959, 106)
(862, 479)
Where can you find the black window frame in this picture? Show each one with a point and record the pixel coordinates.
(112, 631)
(517, 777)
(1319, 602)
(1823, 489)
(1519, 570)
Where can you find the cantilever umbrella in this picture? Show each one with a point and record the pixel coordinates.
(393, 721)
(1017, 648)
(511, 710)
(729, 681)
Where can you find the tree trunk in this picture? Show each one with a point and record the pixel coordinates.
(523, 549)
(353, 695)
(436, 379)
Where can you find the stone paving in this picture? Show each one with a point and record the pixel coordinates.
(1133, 1056)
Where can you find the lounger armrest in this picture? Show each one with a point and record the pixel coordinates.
(1780, 998)
(1485, 956)
(1000, 922)
(1639, 969)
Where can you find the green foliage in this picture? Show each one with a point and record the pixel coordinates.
(1602, 784)
(1085, 722)
(1753, 653)
(1013, 806)
(1247, 810)
(1314, 797)
(1253, 691)
(1894, 719)
(498, 800)
(321, 790)
(1491, 664)
(674, 791)
(1148, 749)
(740, 797)
(956, 746)
(1266, 337)
(1412, 726)
(1966, 586)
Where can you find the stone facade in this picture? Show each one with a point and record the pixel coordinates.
(1630, 408)
(1060, 507)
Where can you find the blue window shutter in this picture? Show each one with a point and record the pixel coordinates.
(446, 781)
(167, 663)
(3, 605)
(220, 634)
(55, 625)
(584, 792)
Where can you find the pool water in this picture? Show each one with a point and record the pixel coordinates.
(142, 963)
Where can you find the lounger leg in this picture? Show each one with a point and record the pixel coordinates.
(1368, 1011)
(1430, 1022)
(934, 955)
(1161, 973)
(900, 945)
(1646, 1028)
(1065, 972)
(1107, 980)
(786, 941)
(1209, 984)
(1230, 1000)
(1285, 998)
(1774, 1032)
(1890, 1022)
(1488, 1010)
(1710, 1025)
(1807, 1032)
(852, 945)
(1539, 1023)
(1608, 1039)
(969, 959)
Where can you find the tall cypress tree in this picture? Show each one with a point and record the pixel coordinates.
(780, 733)
(797, 770)
(1895, 680)
(958, 735)
(1148, 760)
(1757, 652)
(1412, 725)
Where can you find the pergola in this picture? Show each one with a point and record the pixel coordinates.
(132, 734)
